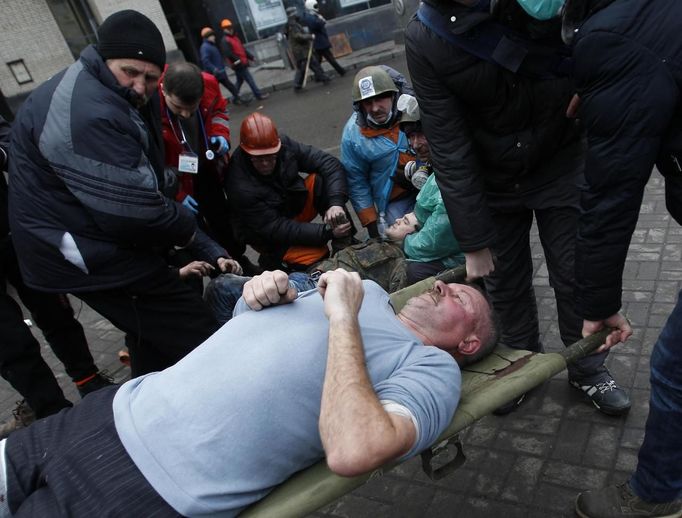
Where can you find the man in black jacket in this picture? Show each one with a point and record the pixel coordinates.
(273, 205)
(504, 153)
(21, 363)
(628, 78)
(86, 209)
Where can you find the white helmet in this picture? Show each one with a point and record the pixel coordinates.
(311, 5)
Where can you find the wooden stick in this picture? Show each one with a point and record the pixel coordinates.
(307, 64)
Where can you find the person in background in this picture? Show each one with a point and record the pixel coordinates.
(239, 59)
(300, 43)
(322, 46)
(213, 62)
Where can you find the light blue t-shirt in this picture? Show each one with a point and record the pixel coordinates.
(238, 415)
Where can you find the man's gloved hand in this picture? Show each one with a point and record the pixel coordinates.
(220, 145)
(191, 204)
(417, 173)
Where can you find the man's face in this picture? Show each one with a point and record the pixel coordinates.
(420, 145)
(448, 314)
(228, 30)
(141, 77)
(179, 108)
(378, 107)
(402, 227)
(211, 38)
(264, 164)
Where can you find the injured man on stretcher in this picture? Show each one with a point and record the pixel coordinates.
(331, 372)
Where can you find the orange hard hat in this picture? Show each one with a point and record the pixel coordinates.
(206, 32)
(226, 23)
(258, 135)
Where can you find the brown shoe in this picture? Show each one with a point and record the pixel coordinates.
(620, 502)
(22, 416)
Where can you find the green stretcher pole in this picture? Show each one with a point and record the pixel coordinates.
(503, 375)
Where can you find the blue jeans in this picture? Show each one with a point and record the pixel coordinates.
(658, 477)
(243, 74)
(223, 292)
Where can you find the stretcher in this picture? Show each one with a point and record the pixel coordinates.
(503, 375)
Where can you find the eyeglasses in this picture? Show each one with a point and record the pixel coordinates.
(264, 158)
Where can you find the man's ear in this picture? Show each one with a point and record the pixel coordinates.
(470, 345)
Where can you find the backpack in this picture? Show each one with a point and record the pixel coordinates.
(379, 261)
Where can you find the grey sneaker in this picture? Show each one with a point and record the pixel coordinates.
(620, 502)
(604, 393)
(22, 416)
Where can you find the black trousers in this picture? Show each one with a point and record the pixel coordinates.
(314, 66)
(418, 271)
(20, 361)
(73, 465)
(164, 317)
(225, 81)
(556, 209)
(327, 54)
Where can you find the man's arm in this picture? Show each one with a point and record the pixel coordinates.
(328, 167)
(218, 118)
(226, 48)
(102, 162)
(267, 223)
(357, 433)
(357, 175)
(4, 143)
(625, 118)
(454, 157)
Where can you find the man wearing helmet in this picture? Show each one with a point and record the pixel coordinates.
(239, 59)
(374, 151)
(212, 61)
(323, 47)
(273, 205)
(300, 41)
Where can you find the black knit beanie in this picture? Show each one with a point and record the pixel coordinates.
(129, 34)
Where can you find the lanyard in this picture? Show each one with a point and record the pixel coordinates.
(210, 155)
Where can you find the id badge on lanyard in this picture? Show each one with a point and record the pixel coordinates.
(188, 162)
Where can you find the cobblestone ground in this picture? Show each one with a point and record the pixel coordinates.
(530, 463)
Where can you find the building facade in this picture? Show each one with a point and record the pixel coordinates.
(41, 37)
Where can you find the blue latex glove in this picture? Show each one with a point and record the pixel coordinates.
(191, 204)
(220, 145)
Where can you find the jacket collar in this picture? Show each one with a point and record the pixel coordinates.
(462, 18)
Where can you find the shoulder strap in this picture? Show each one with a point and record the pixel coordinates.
(494, 42)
